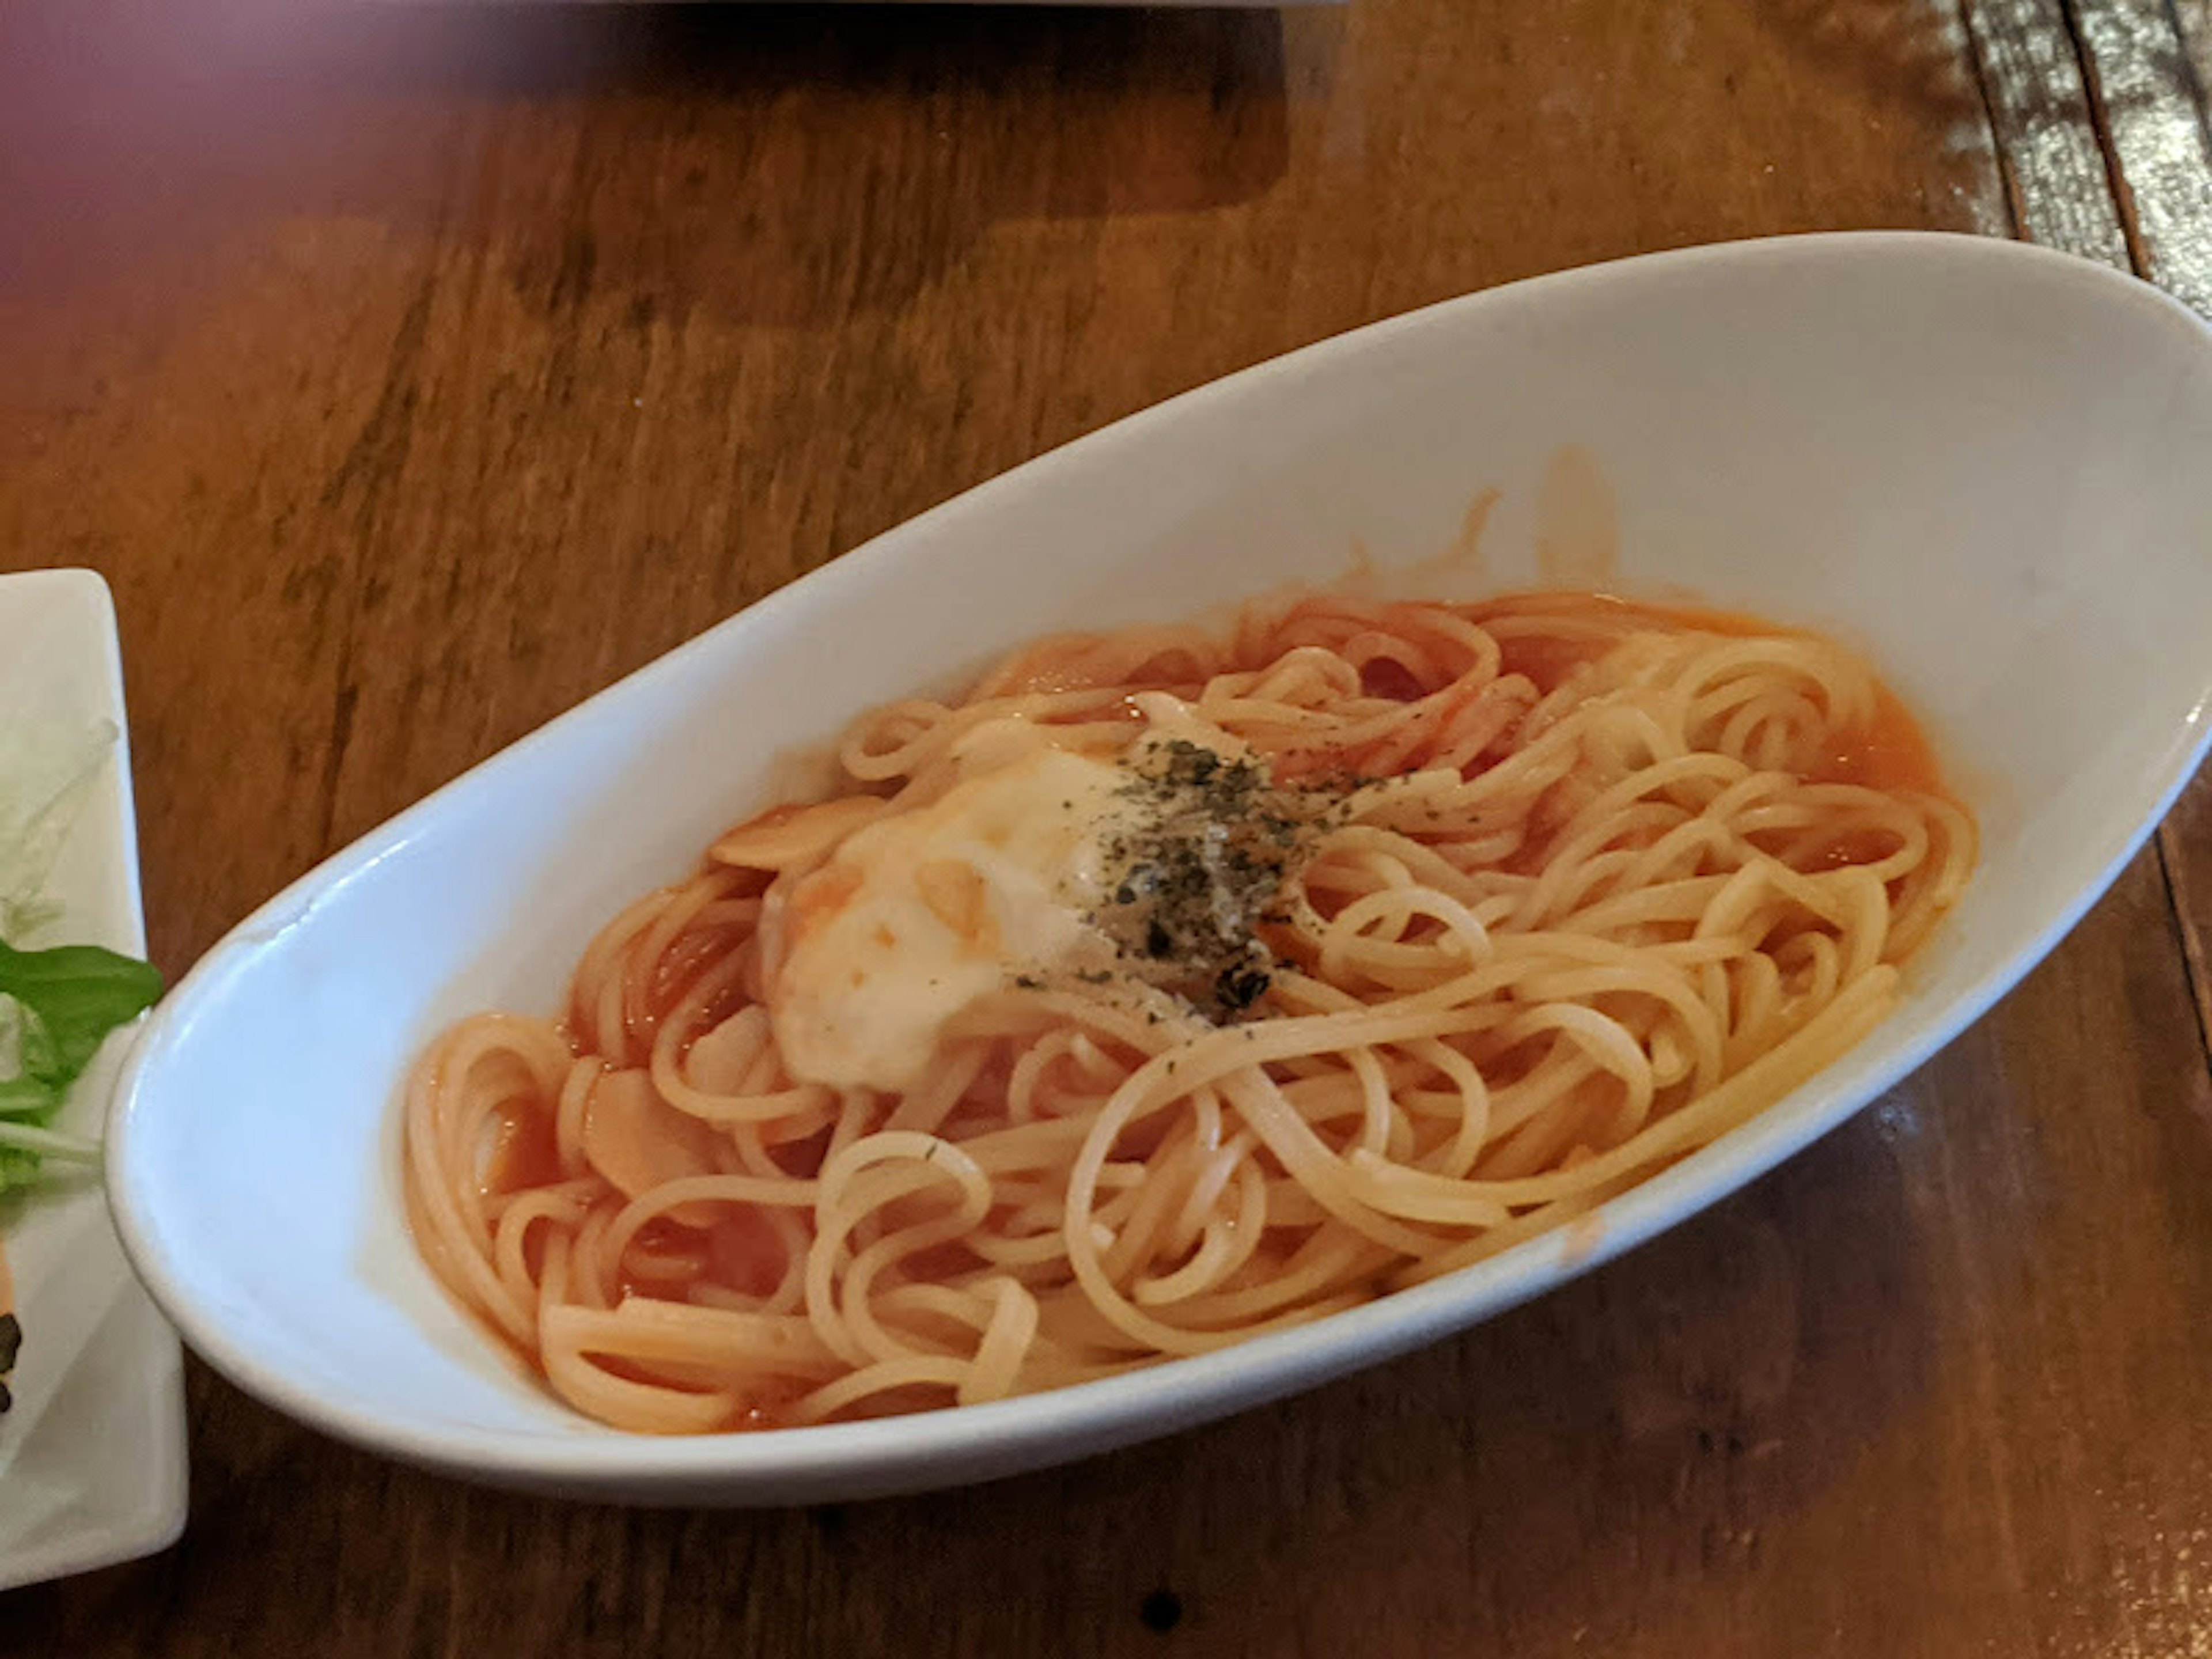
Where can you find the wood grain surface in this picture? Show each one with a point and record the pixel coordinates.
(413, 371)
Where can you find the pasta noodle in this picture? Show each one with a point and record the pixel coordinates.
(1175, 986)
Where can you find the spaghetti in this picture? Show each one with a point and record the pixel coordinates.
(1174, 987)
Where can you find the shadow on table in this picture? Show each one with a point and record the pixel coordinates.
(779, 163)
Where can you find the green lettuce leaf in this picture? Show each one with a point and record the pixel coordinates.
(57, 1007)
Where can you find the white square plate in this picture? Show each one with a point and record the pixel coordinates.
(92, 1456)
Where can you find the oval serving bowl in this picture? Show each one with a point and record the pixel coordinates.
(1979, 462)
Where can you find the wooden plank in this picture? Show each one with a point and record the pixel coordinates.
(2151, 111)
(2193, 19)
(2056, 183)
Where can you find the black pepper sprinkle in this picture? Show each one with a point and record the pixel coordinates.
(1197, 864)
(1238, 988)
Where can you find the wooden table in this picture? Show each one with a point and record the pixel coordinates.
(413, 372)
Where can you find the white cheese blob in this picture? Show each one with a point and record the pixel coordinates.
(914, 917)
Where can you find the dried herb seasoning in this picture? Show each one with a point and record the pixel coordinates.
(1198, 855)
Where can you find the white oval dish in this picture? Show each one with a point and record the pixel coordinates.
(1980, 461)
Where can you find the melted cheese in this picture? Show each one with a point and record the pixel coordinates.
(914, 917)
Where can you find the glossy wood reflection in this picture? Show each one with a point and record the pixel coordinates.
(414, 371)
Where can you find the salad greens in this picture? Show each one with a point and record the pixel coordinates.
(56, 1005)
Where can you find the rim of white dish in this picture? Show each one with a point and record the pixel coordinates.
(1177, 1393)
